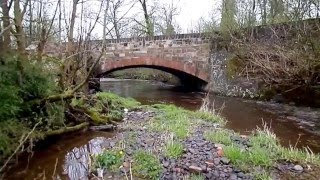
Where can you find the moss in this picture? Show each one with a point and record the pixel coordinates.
(234, 66)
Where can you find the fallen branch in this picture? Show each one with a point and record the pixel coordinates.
(67, 129)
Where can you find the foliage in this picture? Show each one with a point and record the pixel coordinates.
(21, 82)
(173, 149)
(11, 132)
(17, 87)
(228, 21)
(104, 106)
(109, 159)
(146, 165)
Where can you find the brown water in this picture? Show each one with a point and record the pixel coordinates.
(67, 156)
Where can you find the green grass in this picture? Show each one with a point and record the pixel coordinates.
(221, 136)
(173, 149)
(197, 177)
(179, 121)
(146, 165)
(260, 157)
(235, 154)
(262, 175)
(263, 154)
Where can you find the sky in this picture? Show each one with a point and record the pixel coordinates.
(190, 12)
(193, 10)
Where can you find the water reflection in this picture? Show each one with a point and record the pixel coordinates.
(77, 161)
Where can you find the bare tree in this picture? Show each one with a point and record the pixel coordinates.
(148, 25)
(165, 21)
(118, 9)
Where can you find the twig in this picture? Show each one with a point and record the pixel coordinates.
(295, 146)
(55, 168)
(20, 145)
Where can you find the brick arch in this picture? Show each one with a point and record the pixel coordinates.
(178, 68)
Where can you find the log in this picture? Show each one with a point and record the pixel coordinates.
(102, 128)
(67, 129)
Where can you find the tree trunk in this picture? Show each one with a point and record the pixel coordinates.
(149, 26)
(6, 23)
(19, 33)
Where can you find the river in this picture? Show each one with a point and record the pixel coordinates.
(66, 155)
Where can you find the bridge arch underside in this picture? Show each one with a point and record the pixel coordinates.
(187, 80)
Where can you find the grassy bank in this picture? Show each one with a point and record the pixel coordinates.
(258, 154)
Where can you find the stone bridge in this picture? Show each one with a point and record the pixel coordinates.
(183, 55)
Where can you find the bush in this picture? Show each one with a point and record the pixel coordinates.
(17, 87)
(21, 81)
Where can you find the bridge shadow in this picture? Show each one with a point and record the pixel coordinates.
(188, 82)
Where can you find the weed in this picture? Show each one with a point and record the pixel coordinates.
(235, 154)
(109, 160)
(260, 157)
(146, 165)
(219, 136)
(173, 149)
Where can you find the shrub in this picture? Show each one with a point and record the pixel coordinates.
(109, 160)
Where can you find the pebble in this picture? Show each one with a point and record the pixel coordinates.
(298, 168)
(225, 160)
(195, 169)
(233, 177)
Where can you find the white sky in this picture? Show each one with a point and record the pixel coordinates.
(193, 10)
(190, 12)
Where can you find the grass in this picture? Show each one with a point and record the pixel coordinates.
(219, 136)
(197, 177)
(261, 175)
(263, 154)
(173, 149)
(179, 121)
(146, 165)
(235, 154)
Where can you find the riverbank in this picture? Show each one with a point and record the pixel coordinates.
(167, 142)
(179, 143)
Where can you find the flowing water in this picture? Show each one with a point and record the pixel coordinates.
(67, 156)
